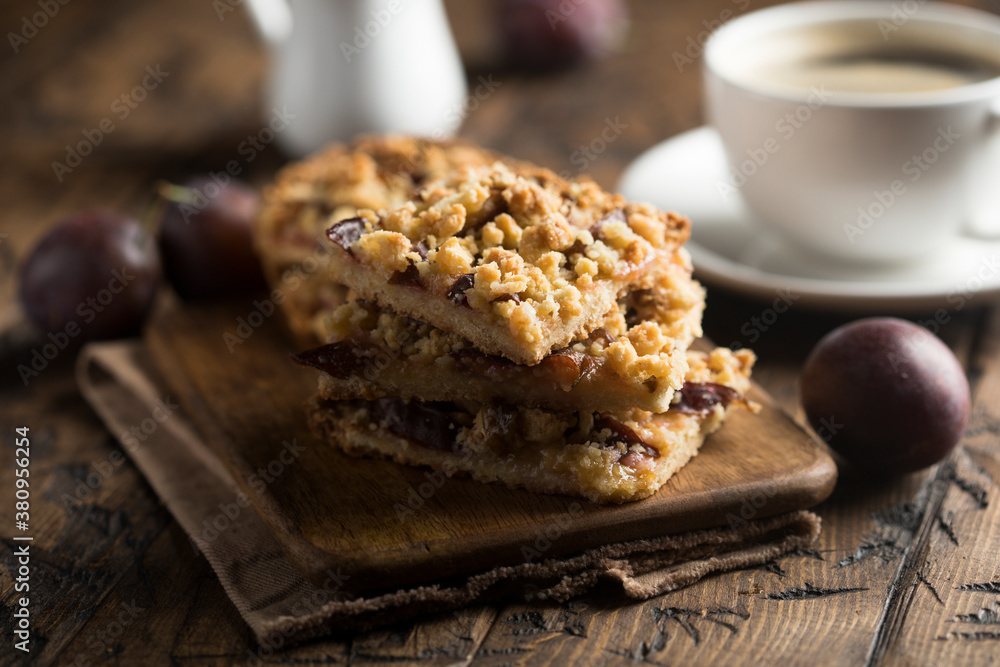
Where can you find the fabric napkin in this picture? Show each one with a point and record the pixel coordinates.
(120, 381)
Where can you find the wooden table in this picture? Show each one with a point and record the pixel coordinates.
(906, 572)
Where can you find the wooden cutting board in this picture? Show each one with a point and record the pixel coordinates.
(386, 525)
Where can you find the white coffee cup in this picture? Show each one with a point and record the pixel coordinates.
(862, 131)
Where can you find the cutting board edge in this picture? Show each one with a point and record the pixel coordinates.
(801, 488)
(369, 570)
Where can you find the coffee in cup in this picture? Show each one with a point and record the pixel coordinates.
(858, 130)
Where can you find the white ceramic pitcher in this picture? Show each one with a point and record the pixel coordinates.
(342, 67)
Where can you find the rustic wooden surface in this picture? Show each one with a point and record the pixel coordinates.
(905, 573)
(337, 512)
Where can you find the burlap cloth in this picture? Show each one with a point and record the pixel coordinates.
(282, 608)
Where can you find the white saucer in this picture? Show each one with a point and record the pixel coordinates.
(684, 174)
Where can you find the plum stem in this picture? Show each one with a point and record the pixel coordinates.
(167, 193)
(177, 194)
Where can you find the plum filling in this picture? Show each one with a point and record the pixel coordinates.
(410, 277)
(572, 365)
(578, 247)
(348, 358)
(642, 306)
(436, 425)
(616, 215)
(475, 362)
(516, 298)
(425, 424)
(620, 433)
(700, 398)
(341, 360)
(602, 336)
(567, 366)
(494, 205)
(433, 425)
(456, 293)
(346, 233)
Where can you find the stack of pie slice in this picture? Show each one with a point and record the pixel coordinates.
(483, 316)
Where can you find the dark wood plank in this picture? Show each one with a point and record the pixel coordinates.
(92, 519)
(951, 590)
